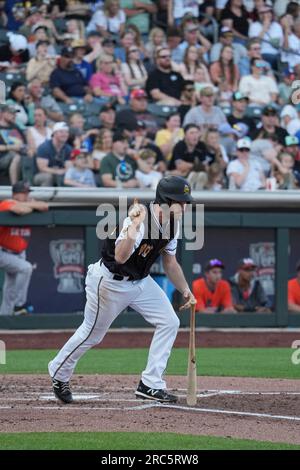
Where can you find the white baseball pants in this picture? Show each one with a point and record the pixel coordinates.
(106, 299)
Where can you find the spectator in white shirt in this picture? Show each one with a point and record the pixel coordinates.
(245, 173)
(259, 88)
(109, 21)
(271, 34)
(291, 42)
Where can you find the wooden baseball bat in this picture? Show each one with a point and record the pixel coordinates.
(191, 397)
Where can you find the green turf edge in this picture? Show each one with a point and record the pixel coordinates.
(230, 362)
(130, 441)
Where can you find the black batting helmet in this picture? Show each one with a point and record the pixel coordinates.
(173, 188)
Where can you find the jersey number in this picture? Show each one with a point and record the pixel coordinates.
(145, 250)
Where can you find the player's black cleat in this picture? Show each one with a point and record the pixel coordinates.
(62, 391)
(154, 394)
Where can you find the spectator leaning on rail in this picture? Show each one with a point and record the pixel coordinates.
(247, 292)
(13, 244)
(211, 292)
(79, 175)
(294, 291)
(53, 157)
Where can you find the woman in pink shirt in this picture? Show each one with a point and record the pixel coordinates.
(108, 81)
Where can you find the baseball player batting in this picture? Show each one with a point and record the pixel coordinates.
(121, 279)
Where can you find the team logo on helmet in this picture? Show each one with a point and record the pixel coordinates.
(186, 189)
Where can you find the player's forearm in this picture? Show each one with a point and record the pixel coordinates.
(176, 276)
(125, 247)
(294, 307)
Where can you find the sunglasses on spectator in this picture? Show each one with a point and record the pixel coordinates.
(164, 57)
(244, 150)
(134, 50)
(249, 269)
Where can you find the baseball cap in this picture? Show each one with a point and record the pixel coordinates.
(17, 41)
(94, 33)
(8, 108)
(207, 91)
(108, 106)
(291, 140)
(246, 263)
(226, 30)
(269, 109)
(226, 128)
(21, 187)
(244, 143)
(289, 110)
(137, 94)
(38, 26)
(109, 42)
(76, 152)
(214, 263)
(238, 96)
(60, 126)
(79, 43)
(67, 52)
(118, 136)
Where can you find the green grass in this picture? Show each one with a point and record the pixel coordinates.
(130, 441)
(235, 362)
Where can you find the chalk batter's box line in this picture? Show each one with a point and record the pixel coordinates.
(71, 408)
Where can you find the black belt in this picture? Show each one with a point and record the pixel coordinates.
(117, 277)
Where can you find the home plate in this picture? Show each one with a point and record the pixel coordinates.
(83, 397)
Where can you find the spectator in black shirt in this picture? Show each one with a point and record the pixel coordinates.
(235, 16)
(67, 82)
(238, 113)
(163, 85)
(269, 126)
(188, 154)
(248, 294)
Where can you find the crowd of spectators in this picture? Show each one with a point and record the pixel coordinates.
(117, 93)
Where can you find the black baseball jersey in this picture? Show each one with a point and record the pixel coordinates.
(154, 241)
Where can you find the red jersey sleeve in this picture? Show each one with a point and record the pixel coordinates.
(291, 292)
(196, 287)
(7, 205)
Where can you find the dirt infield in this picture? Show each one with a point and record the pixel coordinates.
(262, 409)
(142, 339)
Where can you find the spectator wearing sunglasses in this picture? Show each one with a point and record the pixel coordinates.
(164, 86)
(212, 293)
(245, 173)
(247, 292)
